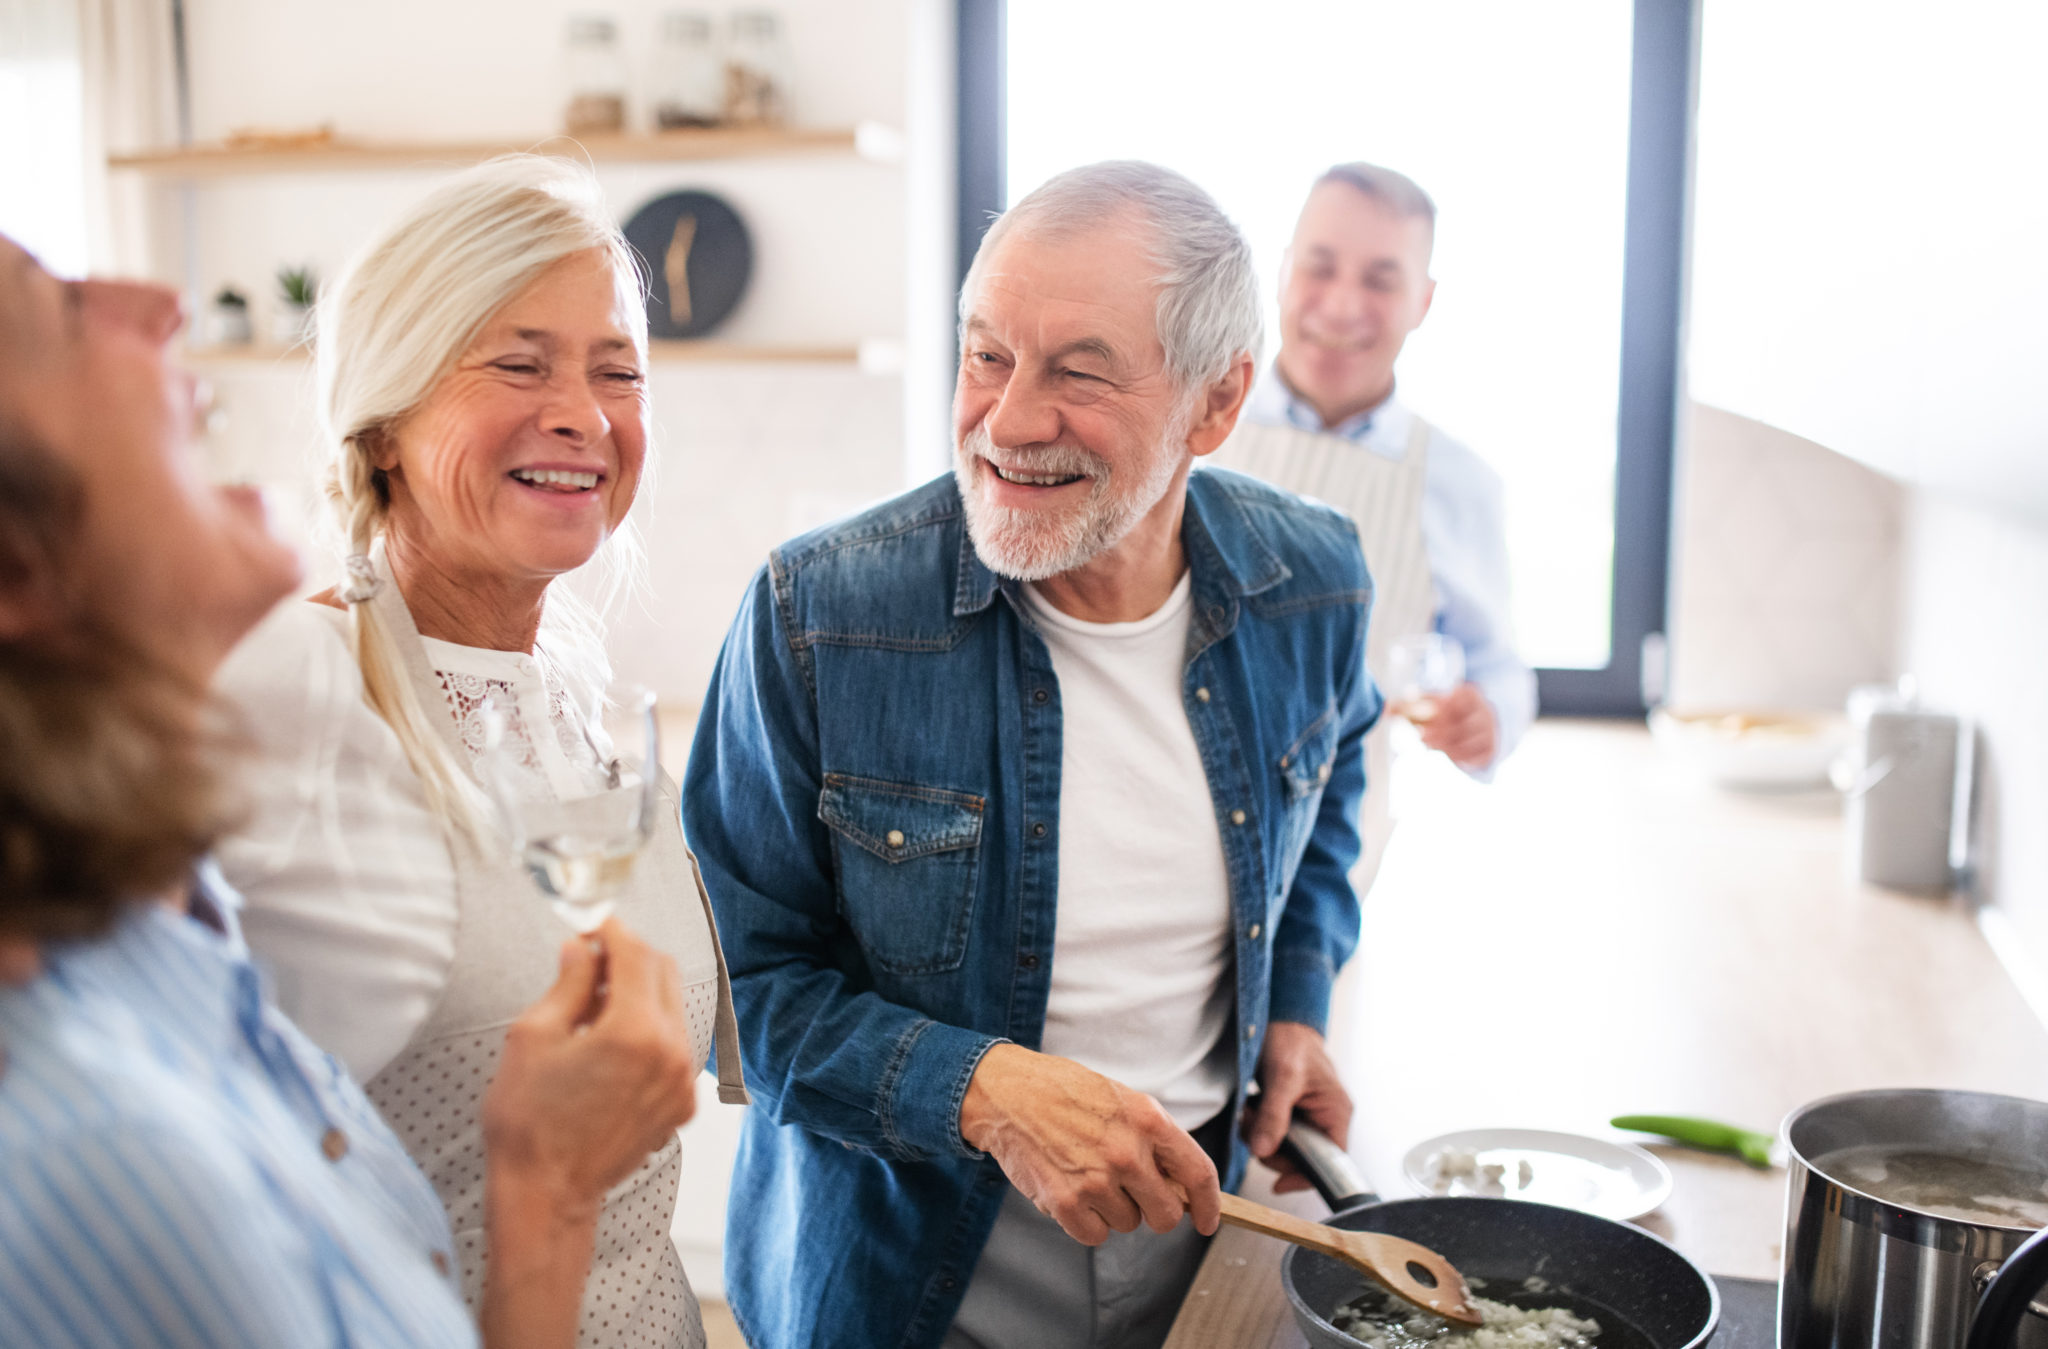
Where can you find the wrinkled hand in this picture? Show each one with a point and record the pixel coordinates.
(1092, 1154)
(587, 1089)
(1463, 727)
(1295, 1073)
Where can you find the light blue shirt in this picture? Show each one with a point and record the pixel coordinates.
(179, 1166)
(1464, 531)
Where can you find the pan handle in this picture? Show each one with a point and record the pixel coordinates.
(1996, 1323)
(1328, 1167)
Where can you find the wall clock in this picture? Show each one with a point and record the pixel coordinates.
(698, 258)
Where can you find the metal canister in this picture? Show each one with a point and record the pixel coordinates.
(1864, 1273)
(1909, 810)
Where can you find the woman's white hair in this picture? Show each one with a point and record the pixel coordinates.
(404, 310)
(1209, 304)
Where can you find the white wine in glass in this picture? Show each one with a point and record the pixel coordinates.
(1420, 670)
(580, 850)
(581, 875)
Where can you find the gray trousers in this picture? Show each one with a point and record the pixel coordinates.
(1038, 1288)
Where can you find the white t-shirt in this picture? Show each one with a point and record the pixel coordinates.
(348, 886)
(1141, 966)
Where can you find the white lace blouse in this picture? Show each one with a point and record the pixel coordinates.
(349, 885)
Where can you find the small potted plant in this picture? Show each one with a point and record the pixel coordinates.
(293, 321)
(230, 319)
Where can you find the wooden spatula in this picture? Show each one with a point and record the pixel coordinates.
(1410, 1272)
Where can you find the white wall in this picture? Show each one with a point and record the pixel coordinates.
(1798, 573)
(1785, 569)
(1866, 272)
(750, 453)
(1976, 636)
(1865, 241)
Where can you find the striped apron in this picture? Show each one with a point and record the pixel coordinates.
(1384, 498)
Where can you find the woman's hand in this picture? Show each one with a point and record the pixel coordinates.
(587, 1088)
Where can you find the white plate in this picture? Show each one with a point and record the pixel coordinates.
(1609, 1180)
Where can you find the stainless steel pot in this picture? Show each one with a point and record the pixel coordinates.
(1861, 1273)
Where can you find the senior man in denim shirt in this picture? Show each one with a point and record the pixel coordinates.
(1026, 802)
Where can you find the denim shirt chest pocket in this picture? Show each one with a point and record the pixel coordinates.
(904, 859)
(1304, 772)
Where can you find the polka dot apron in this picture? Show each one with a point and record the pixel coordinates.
(506, 942)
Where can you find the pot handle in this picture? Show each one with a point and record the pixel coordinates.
(1996, 1323)
(1328, 1167)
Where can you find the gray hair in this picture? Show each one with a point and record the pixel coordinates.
(1396, 191)
(1209, 312)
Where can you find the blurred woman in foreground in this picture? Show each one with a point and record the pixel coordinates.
(178, 1164)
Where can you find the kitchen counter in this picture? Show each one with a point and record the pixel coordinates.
(1603, 934)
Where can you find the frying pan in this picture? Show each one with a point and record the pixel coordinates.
(1593, 1265)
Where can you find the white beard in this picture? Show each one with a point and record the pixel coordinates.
(1032, 545)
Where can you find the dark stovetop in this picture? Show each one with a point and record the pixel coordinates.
(1749, 1313)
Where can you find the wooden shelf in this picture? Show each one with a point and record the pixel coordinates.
(869, 140)
(662, 352)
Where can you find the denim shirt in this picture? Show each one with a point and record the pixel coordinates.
(874, 798)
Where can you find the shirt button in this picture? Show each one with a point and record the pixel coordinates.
(334, 1145)
(949, 1284)
(1028, 961)
(440, 1264)
(1323, 773)
(1253, 933)
(1040, 696)
(1201, 695)
(1251, 1032)
(1038, 830)
(1237, 817)
(895, 838)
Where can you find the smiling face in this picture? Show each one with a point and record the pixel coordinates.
(1355, 284)
(178, 567)
(528, 452)
(1068, 428)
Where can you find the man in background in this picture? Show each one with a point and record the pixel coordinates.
(1354, 284)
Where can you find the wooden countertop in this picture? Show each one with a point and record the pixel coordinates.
(1603, 935)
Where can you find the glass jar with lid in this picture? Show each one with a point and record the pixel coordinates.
(689, 78)
(757, 70)
(596, 70)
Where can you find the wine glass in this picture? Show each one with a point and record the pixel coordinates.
(580, 850)
(1420, 670)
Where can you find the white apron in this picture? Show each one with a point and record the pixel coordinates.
(506, 944)
(1384, 498)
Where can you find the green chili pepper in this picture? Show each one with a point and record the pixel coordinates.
(1752, 1147)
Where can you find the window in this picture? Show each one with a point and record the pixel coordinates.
(42, 150)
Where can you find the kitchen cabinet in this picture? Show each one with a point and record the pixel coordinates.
(1624, 938)
(1867, 216)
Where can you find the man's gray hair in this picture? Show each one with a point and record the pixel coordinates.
(1396, 191)
(1209, 303)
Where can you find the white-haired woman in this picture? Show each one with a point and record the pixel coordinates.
(483, 400)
